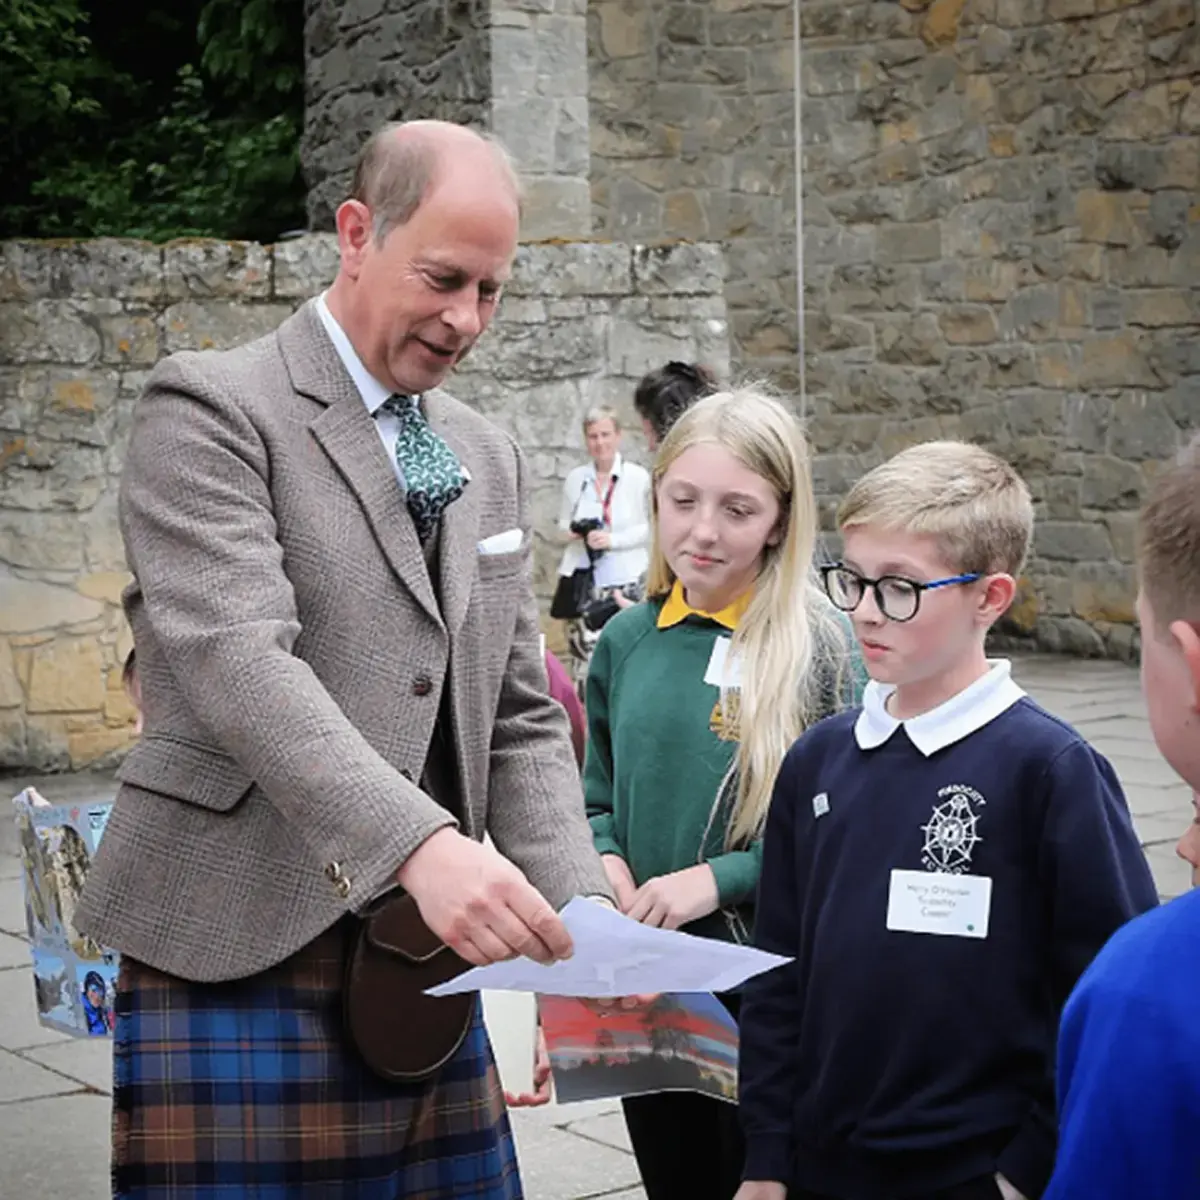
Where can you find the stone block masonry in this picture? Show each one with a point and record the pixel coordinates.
(1001, 242)
(515, 67)
(82, 324)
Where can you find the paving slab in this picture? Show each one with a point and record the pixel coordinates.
(55, 1148)
(14, 952)
(556, 1164)
(12, 907)
(1172, 876)
(21, 1079)
(87, 1062)
(608, 1129)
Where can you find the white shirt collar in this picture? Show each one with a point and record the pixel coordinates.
(373, 392)
(616, 467)
(957, 718)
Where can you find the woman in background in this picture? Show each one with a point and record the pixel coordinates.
(604, 520)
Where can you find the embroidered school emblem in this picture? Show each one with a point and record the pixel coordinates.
(724, 718)
(952, 833)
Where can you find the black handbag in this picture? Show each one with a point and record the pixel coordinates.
(572, 594)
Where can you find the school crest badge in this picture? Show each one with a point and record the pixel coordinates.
(953, 831)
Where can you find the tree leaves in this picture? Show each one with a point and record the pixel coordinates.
(100, 140)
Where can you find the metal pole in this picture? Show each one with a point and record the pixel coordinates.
(798, 90)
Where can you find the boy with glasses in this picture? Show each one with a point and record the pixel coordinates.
(940, 864)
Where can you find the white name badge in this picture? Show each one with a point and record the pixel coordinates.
(724, 670)
(932, 902)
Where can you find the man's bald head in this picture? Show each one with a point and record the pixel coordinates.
(402, 162)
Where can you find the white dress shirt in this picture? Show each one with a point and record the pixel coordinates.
(627, 558)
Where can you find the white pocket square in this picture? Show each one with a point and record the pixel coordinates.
(502, 543)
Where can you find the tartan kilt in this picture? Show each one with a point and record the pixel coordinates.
(249, 1089)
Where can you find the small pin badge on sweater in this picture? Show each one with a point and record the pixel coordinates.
(820, 804)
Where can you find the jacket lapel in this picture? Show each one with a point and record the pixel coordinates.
(459, 545)
(347, 434)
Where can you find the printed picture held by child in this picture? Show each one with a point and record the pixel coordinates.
(1129, 1049)
(693, 698)
(942, 864)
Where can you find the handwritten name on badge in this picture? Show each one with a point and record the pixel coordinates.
(934, 902)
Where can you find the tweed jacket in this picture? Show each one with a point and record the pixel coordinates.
(292, 655)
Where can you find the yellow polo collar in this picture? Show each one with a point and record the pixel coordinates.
(675, 608)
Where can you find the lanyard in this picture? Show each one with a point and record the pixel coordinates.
(606, 502)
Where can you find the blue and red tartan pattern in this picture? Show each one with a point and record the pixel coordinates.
(248, 1089)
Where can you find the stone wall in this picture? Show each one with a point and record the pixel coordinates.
(515, 67)
(692, 136)
(1003, 244)
(1002, 236)
(82, 323)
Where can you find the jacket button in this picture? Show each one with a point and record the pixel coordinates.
(422, 685)
(333, 872)
(342, 887)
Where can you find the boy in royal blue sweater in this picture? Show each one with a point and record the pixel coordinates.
(941, 864)
(1129, 1050)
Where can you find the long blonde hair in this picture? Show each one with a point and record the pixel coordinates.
(789, 625)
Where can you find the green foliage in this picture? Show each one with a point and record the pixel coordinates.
(152, 120)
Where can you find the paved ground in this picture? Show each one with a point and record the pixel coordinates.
(53, 1090)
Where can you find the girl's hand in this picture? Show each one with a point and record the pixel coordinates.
(669, 901)
(761, 1189)
(621, 878)
(599, 540)
(542, 1083)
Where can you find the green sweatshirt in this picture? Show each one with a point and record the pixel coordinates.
(654, 764)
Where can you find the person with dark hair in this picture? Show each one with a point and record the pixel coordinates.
(666, 393)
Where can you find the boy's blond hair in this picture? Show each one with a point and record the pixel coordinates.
(1169, 540)
(975, 505)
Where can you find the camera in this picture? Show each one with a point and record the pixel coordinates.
(586, 526)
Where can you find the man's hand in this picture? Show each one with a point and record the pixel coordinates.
(621, 878)
(479, 903)
(598, 539)
(761, 1189)
(669, 901)
(542, 1084)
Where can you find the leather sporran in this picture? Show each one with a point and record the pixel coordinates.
(403, 1035)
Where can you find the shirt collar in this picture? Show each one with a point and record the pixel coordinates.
(615, 473)
(373, 392)
(675, 608)
(957, 718)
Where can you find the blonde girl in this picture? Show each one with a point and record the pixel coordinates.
(693, 699)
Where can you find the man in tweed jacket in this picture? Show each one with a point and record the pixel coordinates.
(334, 703)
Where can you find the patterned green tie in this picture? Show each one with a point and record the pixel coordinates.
(433, 476)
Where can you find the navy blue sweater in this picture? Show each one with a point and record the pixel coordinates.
(887, 1064)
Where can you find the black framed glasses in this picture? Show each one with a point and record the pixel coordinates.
(898, 598)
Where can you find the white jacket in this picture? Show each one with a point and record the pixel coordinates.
(628, 557)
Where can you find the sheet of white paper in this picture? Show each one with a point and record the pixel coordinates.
(511, 1020)
(616, 956)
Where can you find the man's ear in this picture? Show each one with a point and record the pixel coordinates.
(998, 595)
(354, 232)
(1187, 637)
